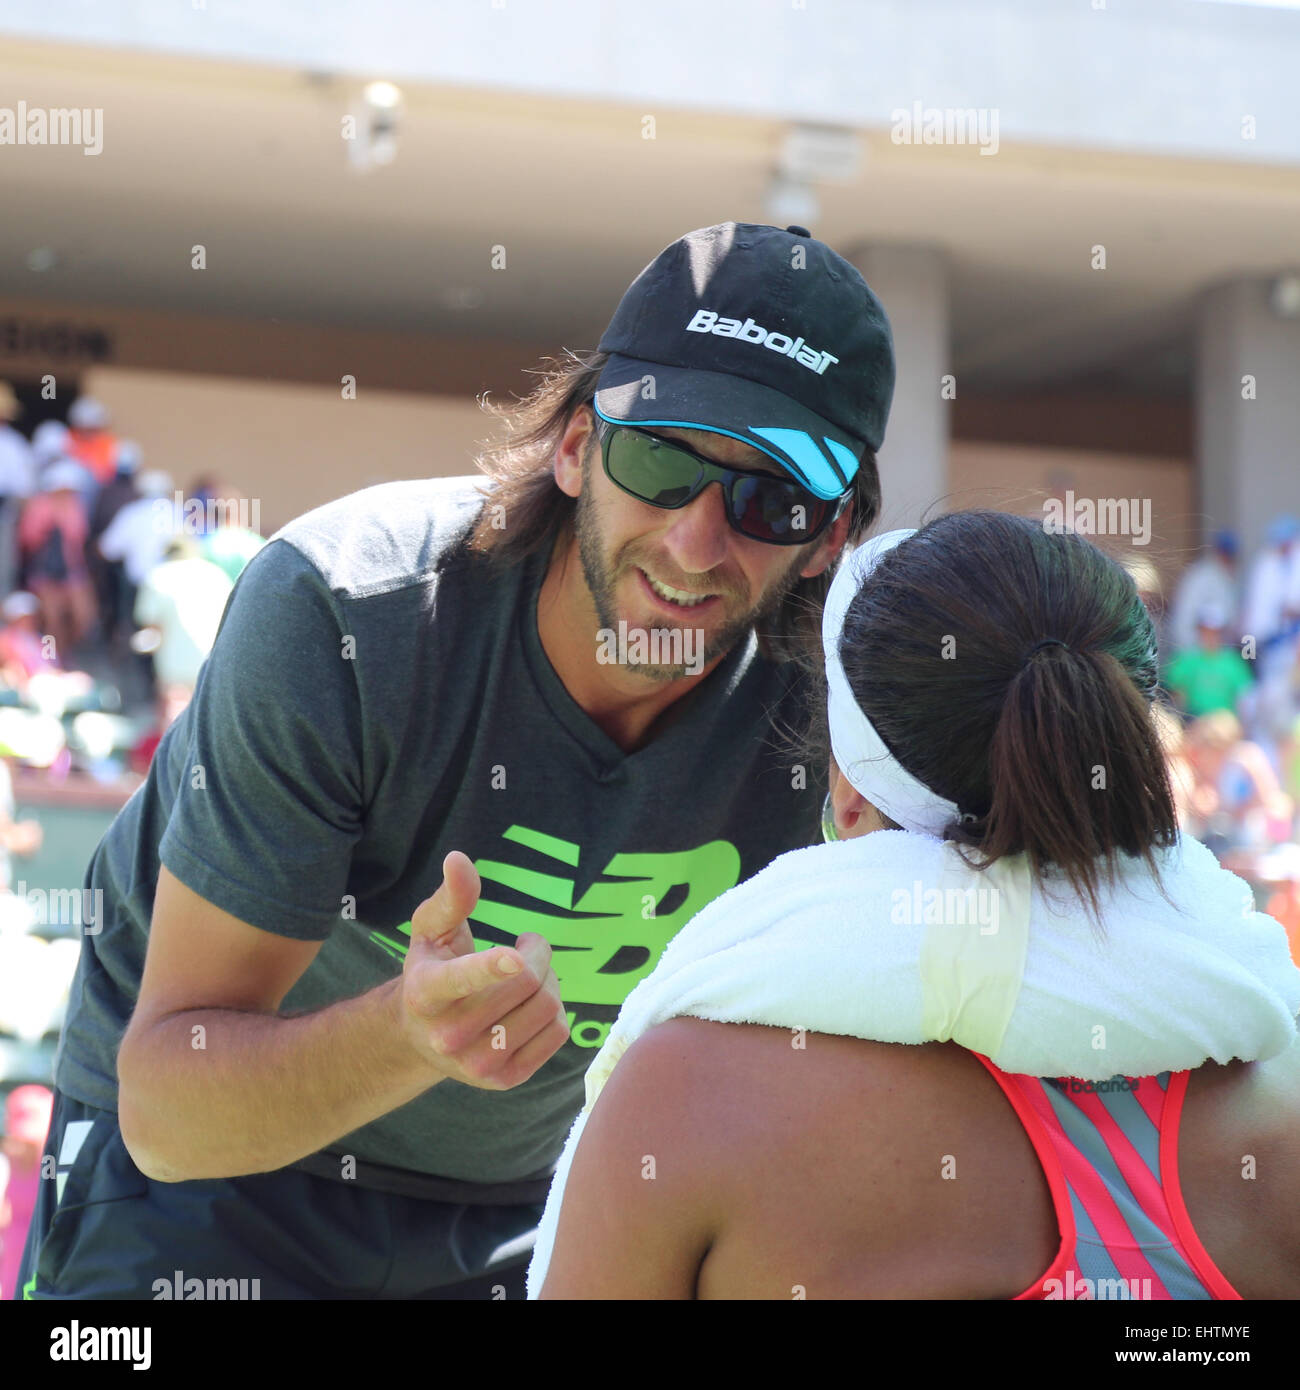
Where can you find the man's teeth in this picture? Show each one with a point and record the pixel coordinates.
(676, 595)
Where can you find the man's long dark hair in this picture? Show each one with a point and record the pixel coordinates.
(521, 467)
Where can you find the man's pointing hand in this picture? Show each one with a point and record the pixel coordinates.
(485, 1018)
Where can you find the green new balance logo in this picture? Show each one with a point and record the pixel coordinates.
(609, 940)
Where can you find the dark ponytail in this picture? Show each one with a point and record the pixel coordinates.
(1048, 750)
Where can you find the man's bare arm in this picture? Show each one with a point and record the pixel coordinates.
(214, 1083)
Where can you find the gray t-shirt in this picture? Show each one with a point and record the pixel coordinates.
(377, 696)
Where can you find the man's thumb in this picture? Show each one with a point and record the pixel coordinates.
(438, 925)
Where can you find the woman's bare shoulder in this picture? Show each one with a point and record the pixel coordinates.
(750, 1075)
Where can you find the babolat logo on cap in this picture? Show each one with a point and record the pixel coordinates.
(707, 321)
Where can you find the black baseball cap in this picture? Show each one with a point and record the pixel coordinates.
(760, 333)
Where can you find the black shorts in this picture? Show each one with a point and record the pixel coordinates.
(102, 1229)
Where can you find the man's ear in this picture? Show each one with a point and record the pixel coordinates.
(576, 440)
(829, 546)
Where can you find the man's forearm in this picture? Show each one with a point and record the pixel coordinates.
(210, 1093)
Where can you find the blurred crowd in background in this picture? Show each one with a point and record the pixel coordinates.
(1230, 667)
(112, 585)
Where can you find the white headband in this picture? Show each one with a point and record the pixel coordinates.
(858, 748)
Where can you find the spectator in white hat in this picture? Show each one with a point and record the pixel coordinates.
(49, 442)
(87, 414)
(1210, 580)
(141, 531)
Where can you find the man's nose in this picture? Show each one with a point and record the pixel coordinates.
(699, 536)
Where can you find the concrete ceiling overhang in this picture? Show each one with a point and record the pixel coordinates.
(250, 163)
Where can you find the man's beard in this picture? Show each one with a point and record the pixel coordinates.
(602, 581)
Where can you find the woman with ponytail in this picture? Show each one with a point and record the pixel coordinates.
(1009, 1035)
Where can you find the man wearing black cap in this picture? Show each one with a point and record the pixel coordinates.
(460, 765)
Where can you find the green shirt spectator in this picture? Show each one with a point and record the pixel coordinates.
(1208, 677)
(1206, 681)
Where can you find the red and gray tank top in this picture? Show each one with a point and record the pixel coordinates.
(1109, 1151)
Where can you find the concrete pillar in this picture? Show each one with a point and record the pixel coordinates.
(1247, 450)
(912, 283)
